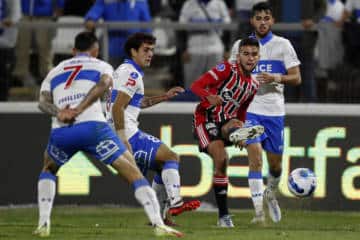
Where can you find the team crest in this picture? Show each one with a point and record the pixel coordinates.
(220, 67)
(134, 75)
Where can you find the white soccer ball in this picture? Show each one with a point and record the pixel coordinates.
(302, 182)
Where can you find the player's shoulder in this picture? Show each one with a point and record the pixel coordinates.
(280, 40)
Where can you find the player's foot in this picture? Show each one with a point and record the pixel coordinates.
(165, 231)
(259, 218)
(273, 205)
(225, 222)
(246, 133)
(43, 230)
(177, 209)
(171, 223)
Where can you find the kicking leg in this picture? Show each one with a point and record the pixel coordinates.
(143, 193)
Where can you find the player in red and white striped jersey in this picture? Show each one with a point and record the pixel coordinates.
(219, 120)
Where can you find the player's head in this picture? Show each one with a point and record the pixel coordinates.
(86, 42)
(262, 18)
(140, 48)
(248, 54)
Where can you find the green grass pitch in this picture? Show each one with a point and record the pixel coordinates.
(105, 222)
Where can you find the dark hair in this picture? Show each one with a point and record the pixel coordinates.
(85, 40)
(250, 41)
(135, 41)
(261, 6)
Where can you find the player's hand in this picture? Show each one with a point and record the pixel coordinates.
(67, 115)
(215, 100)
(174, 92)
(265, 77)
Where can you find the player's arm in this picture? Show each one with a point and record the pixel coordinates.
(118, 112)
(150, 101)
(46, 104)
(293, 77)
(95, 93)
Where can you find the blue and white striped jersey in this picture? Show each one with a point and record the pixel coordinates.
(128, 78)
(276, 56)
(71, 80)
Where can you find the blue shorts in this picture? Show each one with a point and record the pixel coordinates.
(273, 140)
(144, 148)
(94, 138)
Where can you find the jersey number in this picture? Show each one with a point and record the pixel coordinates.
(75, 71)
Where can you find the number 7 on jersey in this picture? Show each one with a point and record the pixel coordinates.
(75, 71)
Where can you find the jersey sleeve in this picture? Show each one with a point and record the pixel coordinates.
(46, 84)
(290, 57)
(211, 78)
(234, 51)
(107, 69)
(125, 81)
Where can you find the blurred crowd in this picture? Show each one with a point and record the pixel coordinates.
(328, 43)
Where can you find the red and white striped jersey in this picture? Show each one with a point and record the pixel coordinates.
(227, 81)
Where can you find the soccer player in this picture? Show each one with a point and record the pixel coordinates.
(278, 66)
(70, 94)
(126, 102)
(219, 120)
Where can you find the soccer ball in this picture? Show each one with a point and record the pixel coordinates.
(302, 182)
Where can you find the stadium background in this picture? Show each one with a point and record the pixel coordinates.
(321, 137)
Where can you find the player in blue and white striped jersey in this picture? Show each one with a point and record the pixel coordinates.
(278, 65)
(71, 95)
(150, 152)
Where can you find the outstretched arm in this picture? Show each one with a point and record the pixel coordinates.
(150, 101)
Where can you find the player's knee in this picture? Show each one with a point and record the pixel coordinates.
(174, 157)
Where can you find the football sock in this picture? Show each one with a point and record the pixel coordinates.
(171, 178)
(160, 191)
(256, 190)
(273, 179)
(220, 186)
(147, 198)
(46, 194)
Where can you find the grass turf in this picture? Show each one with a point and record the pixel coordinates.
(71, 222)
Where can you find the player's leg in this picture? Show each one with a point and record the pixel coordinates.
(255, 180)
(273, 145)
(169, 162)
(144, 194)
(216, 150)
(46, 195)
(109, 149)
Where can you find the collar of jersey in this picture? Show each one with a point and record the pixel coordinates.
(265, 39)
(136, 66)
(82, 55)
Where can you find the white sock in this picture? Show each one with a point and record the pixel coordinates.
(147, 198)
(160, 191)
(256, 190)
(273, 182)
(46, 194)
(171, 178)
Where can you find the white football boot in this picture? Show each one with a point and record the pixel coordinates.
(259, 218)
(225, 222)
(246, 133)
(163, 231)
(43, 230)
(273, 205)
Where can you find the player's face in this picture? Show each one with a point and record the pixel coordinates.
(262, 22)
(144, 54)
(247, 58)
